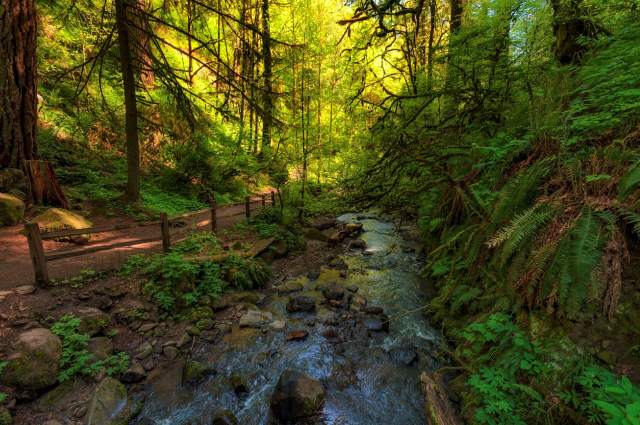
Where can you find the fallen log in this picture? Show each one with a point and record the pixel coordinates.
(436, 402)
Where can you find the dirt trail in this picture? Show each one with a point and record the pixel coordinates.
(16, 268)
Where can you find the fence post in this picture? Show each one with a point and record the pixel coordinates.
(164, 227)
(273, 198)
(264, 200)
(247, 207)
(214, 218)
(36, 251)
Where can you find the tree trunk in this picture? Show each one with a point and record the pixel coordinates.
(131, 107)
(569, 26)
(433, 9)
(267, 120)
(18, 92)
(45, 189)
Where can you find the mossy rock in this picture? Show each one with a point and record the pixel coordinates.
(61, 219)
(92, 320)
(34, 363)
(194, 371)
(111, 404)
(11, 210)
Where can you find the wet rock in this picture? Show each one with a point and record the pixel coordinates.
(289, 287)
(130, 310)
(337, 304)
(358, 302)
(301, 303)
(224, 417)
(404, 355)
(353, 228)
(372, 309)
(255, 319)
(278, 325)
(297, 396)
(101, 347)
(376, 324)
(148, 364)
(325, 223)
(297, 335)
(357, 244)
(144, 350)
(239, 384)
(333, 292)
(92, 320)
(194, 371)
(34, 363)
(331, 334)
(170, 352)
(352, 288)
(110, 404)
(134, 374)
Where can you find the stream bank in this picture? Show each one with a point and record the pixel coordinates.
(341, 322)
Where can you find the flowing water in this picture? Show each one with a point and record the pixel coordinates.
(371, 378)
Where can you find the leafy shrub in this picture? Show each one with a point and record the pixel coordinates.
(245, 273)
(76, 358)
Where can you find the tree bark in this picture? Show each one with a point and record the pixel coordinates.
(18, 92)
(569, 26)
(267, 120)
(131, 107)
(433, 8)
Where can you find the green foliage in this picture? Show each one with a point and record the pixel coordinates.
(76, 359)
(245, 273)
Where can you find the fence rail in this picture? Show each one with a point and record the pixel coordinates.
(40, 258)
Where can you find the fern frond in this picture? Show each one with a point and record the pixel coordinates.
(629, 181)
(631, 218)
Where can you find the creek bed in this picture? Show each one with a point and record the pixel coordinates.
(371, 377)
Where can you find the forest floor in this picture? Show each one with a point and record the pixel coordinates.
(16, 268)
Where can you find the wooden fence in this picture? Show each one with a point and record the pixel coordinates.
(40, 258)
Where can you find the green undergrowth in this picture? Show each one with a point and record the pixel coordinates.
(76, 358)
(175, 282)
(514, 380)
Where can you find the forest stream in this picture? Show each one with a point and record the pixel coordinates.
(369, 375)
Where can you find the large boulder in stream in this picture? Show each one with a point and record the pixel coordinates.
(296, 396)
(301, 303)
(34, 363)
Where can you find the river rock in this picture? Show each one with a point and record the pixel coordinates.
(239, 384)
(358, 244)
(92, 320)
(325, 223)
(101, 347)
(194, 371)
(372, 309)
(110, 404)
(333, 292)
(338, 264)
(297, 335)
(289, 287)
(297, 396)
(255, 319)
(11, 209)
(376, 324)
(404, 355)
(34, 363)
(224, 417)
(301, 303)
(136, 373)
(170, 352)
(353, 228)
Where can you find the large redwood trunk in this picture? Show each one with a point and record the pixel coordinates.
(18, 94)
(570, 25)
(267, 99)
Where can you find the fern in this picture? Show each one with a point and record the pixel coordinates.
(629, 181)
(631, 218)
(522, 228)
(519, 192)
(570, 275)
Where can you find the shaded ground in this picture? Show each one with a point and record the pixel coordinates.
(16, 268)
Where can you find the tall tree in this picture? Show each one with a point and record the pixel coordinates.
(267, 119)
(131, 107)
(570, 24)
(18, 93)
